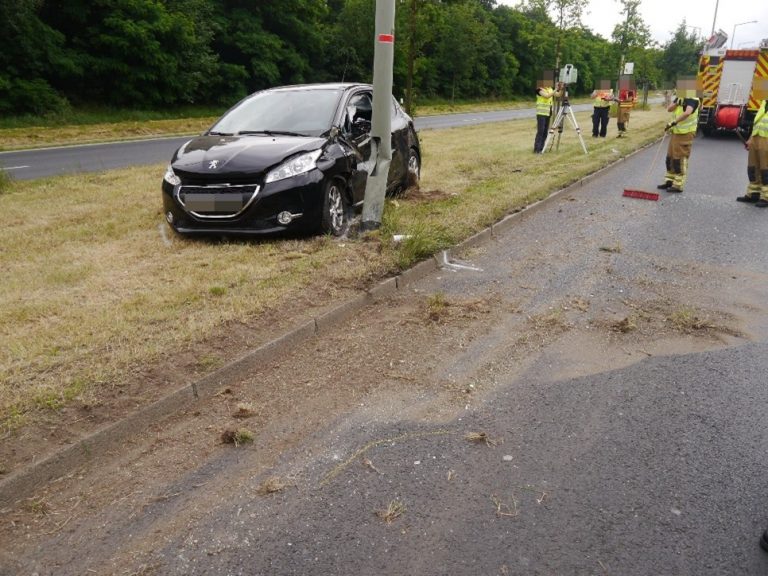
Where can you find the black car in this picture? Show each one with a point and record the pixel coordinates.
(284, 159)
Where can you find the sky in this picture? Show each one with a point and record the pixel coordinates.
(664, 16)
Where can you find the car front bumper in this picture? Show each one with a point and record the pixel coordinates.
(300, 196)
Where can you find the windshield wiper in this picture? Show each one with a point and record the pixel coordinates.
(219, 133)
(269, 133)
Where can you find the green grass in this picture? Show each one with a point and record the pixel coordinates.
(106, 115)
(94, 286)
(6, 181)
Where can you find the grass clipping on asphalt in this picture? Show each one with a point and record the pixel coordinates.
(95, 286)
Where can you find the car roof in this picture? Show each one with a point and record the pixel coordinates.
(322, 86)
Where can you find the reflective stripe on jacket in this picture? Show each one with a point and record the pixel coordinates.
(600, 103)
(760, 126)
(689, 124)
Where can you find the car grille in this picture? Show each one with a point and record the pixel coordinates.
(217, 201)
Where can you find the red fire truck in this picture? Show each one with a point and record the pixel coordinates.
(732, 84)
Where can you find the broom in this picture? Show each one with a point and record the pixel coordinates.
(641, 193)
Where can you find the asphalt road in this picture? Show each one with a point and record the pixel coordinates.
(40, 163)
(611, 452)
(630, 455)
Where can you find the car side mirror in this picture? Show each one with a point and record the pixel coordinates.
(360, 127)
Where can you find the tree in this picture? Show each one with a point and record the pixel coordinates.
(32, 56)
(132, 52)
(566, 15)
(681, 54)
(632, 35)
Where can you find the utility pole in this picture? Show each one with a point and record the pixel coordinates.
(411, 57)
(714, 21)
(381, 128)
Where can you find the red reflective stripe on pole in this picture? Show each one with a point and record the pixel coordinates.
(386, 38)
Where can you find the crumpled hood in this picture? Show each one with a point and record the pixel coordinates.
(233, 156)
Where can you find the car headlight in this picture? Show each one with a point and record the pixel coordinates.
(170, 177)
(294, 166)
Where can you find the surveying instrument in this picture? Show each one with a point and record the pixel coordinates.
(568, 75)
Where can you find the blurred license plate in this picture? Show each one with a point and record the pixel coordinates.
(214, 202)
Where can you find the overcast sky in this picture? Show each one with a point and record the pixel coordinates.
(664, 16)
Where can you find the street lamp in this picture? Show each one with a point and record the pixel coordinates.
(740, 24)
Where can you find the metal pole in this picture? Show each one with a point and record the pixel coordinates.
(381, 129)
(714, 20)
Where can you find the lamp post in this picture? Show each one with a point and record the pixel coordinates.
(740, 24)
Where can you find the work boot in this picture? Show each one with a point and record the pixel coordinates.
(762, 203)
(764, 541)
(678, 190)
(667, 184)
(751, 198)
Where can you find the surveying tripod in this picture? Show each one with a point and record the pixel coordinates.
(557, 125)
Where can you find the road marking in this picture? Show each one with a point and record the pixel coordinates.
(13, 167)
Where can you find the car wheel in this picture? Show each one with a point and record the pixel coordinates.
(414, 168)
(334, 219)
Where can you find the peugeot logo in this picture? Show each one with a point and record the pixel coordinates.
(213, 165)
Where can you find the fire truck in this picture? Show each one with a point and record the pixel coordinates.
(732, 84)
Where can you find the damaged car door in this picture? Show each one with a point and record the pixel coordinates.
(356, 131)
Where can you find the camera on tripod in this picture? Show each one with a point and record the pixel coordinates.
(568, 75)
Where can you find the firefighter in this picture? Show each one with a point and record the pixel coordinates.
(626, 102)
(602, 102)
(757, 161)
(544, 97)
(683, 129)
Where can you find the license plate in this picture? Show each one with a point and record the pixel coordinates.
(214, 202)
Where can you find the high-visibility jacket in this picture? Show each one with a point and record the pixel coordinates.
(689, 124)
(600, 103)
(760, 126)
(544, 103)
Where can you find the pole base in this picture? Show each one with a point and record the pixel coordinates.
(369, 225)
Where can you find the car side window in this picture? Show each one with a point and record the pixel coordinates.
(359, 108)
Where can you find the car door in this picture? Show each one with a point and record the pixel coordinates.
(400, 147)
(356, 130)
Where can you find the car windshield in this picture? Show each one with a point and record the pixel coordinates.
(302, 111)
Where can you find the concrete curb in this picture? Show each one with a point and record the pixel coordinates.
(24, 482)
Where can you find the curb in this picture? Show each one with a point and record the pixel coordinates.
(24, 482)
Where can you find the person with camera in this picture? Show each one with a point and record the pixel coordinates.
(545, 96)
(682, 128)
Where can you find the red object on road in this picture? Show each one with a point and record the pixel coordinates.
(389, 38)
(641, 194)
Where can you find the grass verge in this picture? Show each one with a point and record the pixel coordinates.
(95, 287)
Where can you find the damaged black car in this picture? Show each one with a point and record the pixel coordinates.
(293, 158)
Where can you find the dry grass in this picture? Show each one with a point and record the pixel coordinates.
(244, 410)
(237, 437)
(688, 320)
(19, 138)
(437, 306)
(481, 438)
(94, 286)
(272, 485)
(392, 512)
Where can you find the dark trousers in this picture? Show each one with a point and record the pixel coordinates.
(600, 122)
(542, 127)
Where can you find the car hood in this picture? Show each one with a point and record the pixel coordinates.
(212, 156)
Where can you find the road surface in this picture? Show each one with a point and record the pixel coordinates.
(40, 163)
(589, 399)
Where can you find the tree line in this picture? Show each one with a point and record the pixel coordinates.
(163, 53)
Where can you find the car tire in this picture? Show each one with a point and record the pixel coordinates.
(413, 174)
(334, 219)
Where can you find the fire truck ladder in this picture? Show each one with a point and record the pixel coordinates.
(735, 95)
